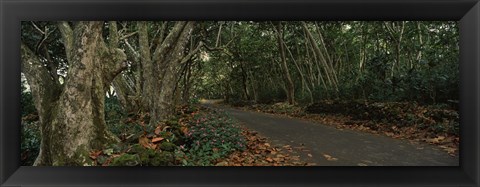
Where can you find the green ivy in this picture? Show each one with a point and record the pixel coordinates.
(212, 135)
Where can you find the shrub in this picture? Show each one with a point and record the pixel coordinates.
(114, 114)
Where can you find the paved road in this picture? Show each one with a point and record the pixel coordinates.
(329, 146)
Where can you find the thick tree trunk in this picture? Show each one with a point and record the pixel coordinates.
(73, 120)
(79, 122)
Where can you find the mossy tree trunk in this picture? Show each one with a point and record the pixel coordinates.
(72, 114)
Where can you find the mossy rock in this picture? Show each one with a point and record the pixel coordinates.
(167, 146)
(162, 159)
(126, 160)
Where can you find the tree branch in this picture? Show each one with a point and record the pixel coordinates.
(128, 35)
(67, 36)
(193, 52)
(113, 37)
(44, 88)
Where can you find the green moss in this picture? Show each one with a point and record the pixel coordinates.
(145, 159)
(146, 155)
(126, 160)
(162, 159)
(167, 146)
(136, 148)
(150, 152)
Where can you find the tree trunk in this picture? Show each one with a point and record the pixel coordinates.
(73, 120)
(147, 66)
(288, 80)
(160, 68)
(125, 94)
(45, 92)
(246, 93)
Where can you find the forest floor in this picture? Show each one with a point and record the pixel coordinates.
(327, 145)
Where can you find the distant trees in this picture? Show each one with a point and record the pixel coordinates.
(311, 61)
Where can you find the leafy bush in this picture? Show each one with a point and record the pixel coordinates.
(194, 100)
(211, 136)
(113, 115)
(30, 143)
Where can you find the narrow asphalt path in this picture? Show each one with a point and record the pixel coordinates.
(328, 146)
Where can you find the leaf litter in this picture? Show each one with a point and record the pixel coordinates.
(259, 152)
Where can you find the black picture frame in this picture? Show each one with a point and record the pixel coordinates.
(467, 12)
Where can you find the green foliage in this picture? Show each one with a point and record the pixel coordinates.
(30, 143)
(113, 109)
(211, 136)
(30, 136)
(167, 146)
(114, 114)
(26, 100)
(368, 62)
(194, 100)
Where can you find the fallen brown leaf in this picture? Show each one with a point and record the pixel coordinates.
(144, 141)
(158, 130)
(155, 140)
(330, 158)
